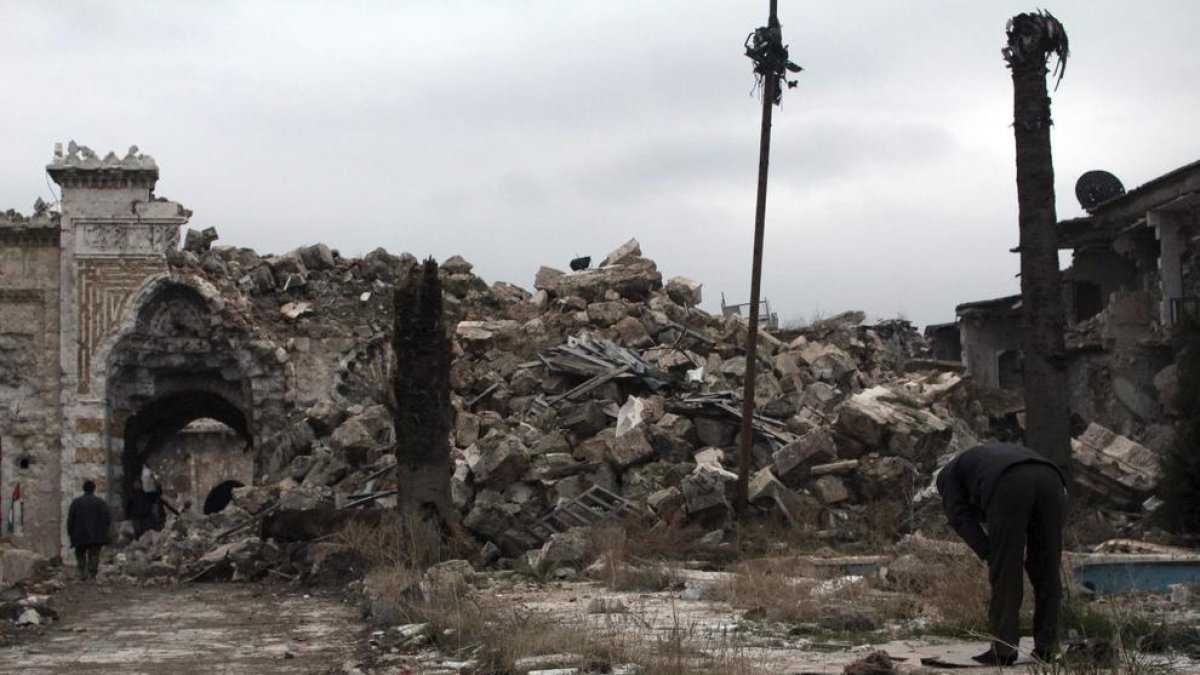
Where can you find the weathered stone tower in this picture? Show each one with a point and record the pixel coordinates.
(65, 285)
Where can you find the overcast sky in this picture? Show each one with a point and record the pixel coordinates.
(523, 133)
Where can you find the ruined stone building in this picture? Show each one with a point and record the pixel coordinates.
(113, 341)
(1134, 278)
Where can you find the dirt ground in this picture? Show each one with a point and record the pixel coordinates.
(189, 630)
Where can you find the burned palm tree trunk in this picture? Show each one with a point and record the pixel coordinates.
(1032, 38)
(422, 413)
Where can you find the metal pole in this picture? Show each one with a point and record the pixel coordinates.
(760, 215)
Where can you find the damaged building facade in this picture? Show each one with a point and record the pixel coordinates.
(1133, 282)
(106, 351)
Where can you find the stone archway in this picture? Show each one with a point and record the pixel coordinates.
(153, 426)
(185, 356)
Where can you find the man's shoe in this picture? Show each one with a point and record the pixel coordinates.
(1046, 654)
(991, 658)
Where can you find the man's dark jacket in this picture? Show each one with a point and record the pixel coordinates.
(968, 482)
(87, 521)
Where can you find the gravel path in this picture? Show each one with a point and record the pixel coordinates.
(189, 630)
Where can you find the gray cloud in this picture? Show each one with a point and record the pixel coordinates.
(524, 133)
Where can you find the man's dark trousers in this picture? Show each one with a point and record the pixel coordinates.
(1024, 520)
(87, 558)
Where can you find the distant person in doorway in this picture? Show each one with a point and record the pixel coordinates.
(139, 510)
(87, 527)
(153, 491)
(1021, 498)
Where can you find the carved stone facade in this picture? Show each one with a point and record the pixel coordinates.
(113, 342)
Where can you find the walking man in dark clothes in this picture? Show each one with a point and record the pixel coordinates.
(1021, 497)
(87, 526)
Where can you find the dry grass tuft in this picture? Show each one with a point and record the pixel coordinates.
(406, 541)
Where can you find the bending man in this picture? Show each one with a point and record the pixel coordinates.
(1021, 496)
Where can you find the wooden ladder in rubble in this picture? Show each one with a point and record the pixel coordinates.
(593, 506)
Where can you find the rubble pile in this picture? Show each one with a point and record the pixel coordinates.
(610, 377)
(603, 382)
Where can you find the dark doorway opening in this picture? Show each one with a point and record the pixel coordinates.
(220, 496)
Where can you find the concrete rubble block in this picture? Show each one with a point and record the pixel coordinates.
(447, 579)
(305, 498)
(710, 456)
(666, 501)
(684, 291)
(834, 468)
(631, 415)
(630, 250)
(254, 499)
(787, 365)
(1114, 466)
(525, 381)
(358, 440)
(639, 482)
(704, 489)
(678, 426)
(326, 468)
(318, 257)
(289, 271)
(550, 466)
(570, 548)
(598, 448)
(715, 432)
(18, 565)
(820, 396)
(466, 429)
(763, 485)
(462, 490)
(873, 416)
(324, 416)
(554, 442)
(800, 508)
(634, 280)
(734, 367)
(497, 459)
(547, 278)
(488, 520)
(826, 362)
(881, 476)
(631, 448)
(632, 333)
(459, 285)
(831, 489)
(793, 461)
(199, 241)
(480, 336)
(584, 419)
(456, 264)
(606, 313)
(300, 466)
(843, 321)
(29, 617)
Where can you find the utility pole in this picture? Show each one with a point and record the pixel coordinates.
(765, 47)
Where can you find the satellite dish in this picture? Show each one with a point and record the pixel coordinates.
(1096, 187)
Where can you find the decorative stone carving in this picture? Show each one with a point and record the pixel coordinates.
(127, 238)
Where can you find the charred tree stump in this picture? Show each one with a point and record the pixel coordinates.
(422, 414)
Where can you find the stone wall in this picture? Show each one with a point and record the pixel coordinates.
(29, 379)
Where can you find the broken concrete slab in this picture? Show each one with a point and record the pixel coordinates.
(1115, 466)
